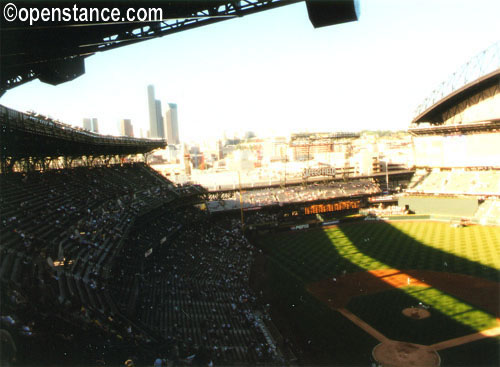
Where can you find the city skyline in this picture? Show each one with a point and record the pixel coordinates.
(280, 75)
(159, 127)
(91, 124)
(126, 128)
(155, 119)
(172, 124)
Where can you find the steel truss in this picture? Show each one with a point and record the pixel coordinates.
(30, 52)
(484, 63)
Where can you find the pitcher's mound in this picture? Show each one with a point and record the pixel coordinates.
(402, 354)
(416, 313)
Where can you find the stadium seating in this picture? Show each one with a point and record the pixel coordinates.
(295, 194)
(457, 182)
(194, 288)
(61, 230)
(116, 256)
(488, 212)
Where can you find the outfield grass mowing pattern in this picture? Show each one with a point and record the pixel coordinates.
(476, 243)
(318, 254)
(314, 255)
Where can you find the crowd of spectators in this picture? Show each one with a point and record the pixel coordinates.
(456, 182)
(194, 287)
(295, 194)
(106, 264)
(256, 217)
(60, 231)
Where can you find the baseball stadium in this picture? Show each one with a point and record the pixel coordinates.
(105, 261)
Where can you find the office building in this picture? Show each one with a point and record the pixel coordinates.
(91, 124)
(172, 125)
(126, 128)
(156, 129)
(159, 120)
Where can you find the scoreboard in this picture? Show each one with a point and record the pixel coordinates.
(332, 207)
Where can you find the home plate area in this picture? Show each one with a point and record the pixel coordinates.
(413, 313)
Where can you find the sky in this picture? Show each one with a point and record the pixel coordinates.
(273, 73)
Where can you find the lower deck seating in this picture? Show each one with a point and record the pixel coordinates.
(488, 212)
(194, 288)
(61, 231)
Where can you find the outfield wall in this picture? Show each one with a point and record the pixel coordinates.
(456, 207)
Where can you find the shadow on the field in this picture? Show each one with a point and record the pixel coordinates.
(312, 273)
(399, 251)
(318, 334)
(423, 275)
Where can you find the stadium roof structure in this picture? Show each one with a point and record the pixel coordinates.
(479, 73)
(55, 51)
(476, 127)
(30, 136)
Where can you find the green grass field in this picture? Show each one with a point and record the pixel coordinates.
(383, 311)
(316, 254)
(299, 258)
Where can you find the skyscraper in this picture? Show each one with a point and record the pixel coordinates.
(172, 124)
(91, 125)
(87, 124)
(126, 128)
(155, 120)
(159, 119)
